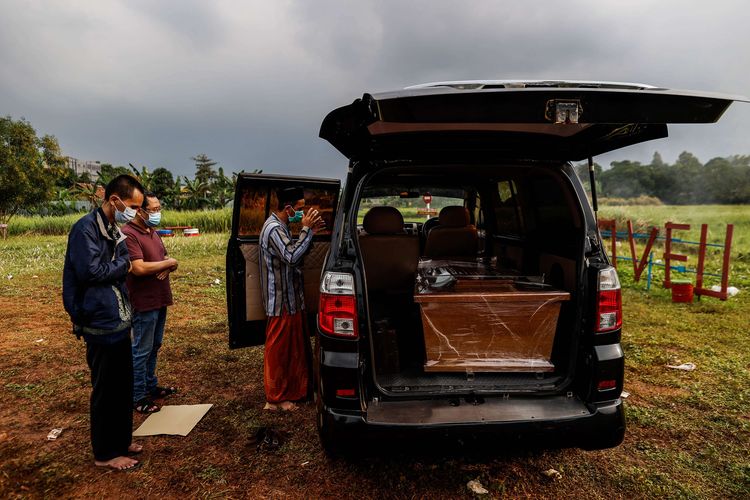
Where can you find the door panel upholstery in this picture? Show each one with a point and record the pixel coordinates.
(311, 270)
(253, 296)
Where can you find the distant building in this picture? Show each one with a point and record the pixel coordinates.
(85, 166)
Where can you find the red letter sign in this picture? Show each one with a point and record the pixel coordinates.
(638, 267)
(668, 255)
(699, 290)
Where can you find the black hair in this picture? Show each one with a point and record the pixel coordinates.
(123, 186)
(289, 196)
(146, 196)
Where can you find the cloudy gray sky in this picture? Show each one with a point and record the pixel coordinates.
(155, 82)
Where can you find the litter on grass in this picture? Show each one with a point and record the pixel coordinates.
(54, 434)
(552, 474)
(624, 394)
(476, 487)
(176, 420)
(686, 367)
(731, 291)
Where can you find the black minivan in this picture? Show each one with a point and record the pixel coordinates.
(494, 157)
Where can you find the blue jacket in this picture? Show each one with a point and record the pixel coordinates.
(96, 262)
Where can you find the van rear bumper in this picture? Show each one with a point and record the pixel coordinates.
(554, 421)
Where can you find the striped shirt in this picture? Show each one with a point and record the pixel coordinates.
(281, 267)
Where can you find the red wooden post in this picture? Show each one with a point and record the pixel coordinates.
(668, 255)
(638, 267)
(701, 261)
(611, 225)
(725, 265)
(722, 294)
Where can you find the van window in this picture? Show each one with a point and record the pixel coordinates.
(252, 210)
(507, 216)
(412, 209)
(321, 200)
(256, 208)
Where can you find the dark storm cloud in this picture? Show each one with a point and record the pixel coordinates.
(249, 82)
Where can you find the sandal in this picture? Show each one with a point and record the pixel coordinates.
(146, 406)
(266, 439)
(162, 392)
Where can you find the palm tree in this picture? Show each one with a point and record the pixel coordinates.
(195, 194)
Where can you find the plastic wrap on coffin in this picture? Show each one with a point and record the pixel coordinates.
(491, 332)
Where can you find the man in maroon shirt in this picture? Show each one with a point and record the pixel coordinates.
(150, 294)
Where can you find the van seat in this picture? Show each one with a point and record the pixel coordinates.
(390, 255)
(454, 237)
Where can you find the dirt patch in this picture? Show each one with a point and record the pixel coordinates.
(46, 384)
(642, 393)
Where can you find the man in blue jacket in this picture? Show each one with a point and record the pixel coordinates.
(95, 297)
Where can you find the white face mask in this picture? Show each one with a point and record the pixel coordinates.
(124, 216)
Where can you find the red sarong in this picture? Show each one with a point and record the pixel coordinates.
(285, 368)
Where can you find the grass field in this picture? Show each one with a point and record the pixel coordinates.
(688, 432)
(208, 221)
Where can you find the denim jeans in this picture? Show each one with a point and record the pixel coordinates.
(148, 333)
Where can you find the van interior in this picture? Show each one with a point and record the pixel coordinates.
(519, 217)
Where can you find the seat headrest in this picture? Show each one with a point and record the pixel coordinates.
(454, 216)
(383, 220)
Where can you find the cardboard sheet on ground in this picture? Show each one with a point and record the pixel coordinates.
(176, 420)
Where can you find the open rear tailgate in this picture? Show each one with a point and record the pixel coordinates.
(559, 120)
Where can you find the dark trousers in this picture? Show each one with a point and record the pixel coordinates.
(111, 398)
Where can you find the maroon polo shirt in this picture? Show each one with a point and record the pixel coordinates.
(146, 292)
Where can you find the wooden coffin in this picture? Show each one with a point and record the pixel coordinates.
(489, 325)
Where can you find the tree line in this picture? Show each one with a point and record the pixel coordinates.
(35, 178)
(685, 182)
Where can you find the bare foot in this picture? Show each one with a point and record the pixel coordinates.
(135, 448)
(288, 406)
(118, 463)
(271, 407)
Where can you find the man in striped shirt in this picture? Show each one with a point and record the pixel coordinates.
(285, 368)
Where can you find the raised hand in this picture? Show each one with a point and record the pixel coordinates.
(311, 219)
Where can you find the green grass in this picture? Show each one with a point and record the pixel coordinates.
(716, 216)
(688, 432)
(208, 221)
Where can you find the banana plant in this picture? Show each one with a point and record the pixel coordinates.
(195, 194)
(144, 176)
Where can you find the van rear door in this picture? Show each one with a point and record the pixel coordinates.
(539, 120)
(254, 199)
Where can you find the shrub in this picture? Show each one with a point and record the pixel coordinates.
(642, 200)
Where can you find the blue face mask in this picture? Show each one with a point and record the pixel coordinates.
(125, 216)
(297, 216)
(153, 219)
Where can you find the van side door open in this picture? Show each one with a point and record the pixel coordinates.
(255, 198)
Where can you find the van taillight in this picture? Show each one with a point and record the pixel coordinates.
(608, 301)
(337, 314)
